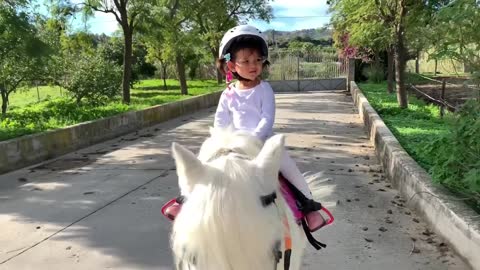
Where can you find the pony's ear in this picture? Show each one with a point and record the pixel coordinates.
(271, 154)
(189, 167)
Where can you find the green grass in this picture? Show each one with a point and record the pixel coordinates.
(425, 136)
(414, 127)
(25, 96)
(29, 116)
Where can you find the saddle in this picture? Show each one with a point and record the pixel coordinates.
(297, 202)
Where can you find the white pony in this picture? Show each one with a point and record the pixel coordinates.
(223, 224)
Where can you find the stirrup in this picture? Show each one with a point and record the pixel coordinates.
(171, 209)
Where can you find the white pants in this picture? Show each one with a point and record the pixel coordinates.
(290, 171)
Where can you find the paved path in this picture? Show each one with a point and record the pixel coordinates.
(98, 208)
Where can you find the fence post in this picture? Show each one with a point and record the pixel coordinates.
(298, 72)
(442, 98)
(38, 92)
(350, 72)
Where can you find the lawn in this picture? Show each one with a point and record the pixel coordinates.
(26, 115)
(447, 148)
(414, 127)
(26, 96)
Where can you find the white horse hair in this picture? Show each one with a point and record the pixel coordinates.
(223, 224)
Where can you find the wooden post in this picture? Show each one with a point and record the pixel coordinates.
(350, 72)
(38, 92)
(442, 98)
(298, 72)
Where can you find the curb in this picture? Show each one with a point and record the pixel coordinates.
(454, 221)
(31, 149)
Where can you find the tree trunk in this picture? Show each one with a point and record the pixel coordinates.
(417, 63)
(4, 93)
(181, 74)
(436, 65)
(215, 56)
(400, 60)
(127, 63)
(390, 70)
(164, 74)
(164, 77)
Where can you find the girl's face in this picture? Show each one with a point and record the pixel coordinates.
(248, 63)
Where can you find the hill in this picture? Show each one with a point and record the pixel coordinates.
(304, 34)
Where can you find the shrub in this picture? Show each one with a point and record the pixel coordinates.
(457, 163)
(93, 78)
(374, 74)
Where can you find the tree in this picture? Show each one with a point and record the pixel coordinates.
(457, 23)
(91, 77)
(21, 51)
(127, 13)
(367, 24)
(52, 29)
(112, 49)
(379, 24)
(170, 30)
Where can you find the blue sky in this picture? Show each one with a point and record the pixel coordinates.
(296, 15)
(290, 15)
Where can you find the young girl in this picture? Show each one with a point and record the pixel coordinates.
(249, 104)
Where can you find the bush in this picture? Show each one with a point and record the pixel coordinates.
(374, 74)
(93, 78)
(457, 163)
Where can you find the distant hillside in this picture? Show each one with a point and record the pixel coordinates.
(314, 34)
(318, 36)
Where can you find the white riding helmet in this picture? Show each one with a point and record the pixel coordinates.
(238, 32)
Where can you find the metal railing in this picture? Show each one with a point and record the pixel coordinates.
(285, 65)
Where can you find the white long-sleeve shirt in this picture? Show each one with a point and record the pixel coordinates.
(251, 110)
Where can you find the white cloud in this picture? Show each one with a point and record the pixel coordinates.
(290, 24)
(291, 8)
(101, 23)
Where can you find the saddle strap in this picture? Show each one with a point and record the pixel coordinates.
(314, 242)
(304, 204)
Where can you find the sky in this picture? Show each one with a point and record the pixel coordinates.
(289, 15)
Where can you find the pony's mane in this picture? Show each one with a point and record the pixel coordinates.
(223, 224)
(238, 141)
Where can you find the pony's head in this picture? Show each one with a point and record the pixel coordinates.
(225, 222)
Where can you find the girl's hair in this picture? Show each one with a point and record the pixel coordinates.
(241, 43)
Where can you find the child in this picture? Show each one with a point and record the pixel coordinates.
(249, 104)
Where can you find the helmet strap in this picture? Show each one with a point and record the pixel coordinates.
(229, 77)
(240, 78)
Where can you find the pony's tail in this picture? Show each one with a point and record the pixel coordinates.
(314, 177)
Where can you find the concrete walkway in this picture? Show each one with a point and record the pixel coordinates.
(99, 208)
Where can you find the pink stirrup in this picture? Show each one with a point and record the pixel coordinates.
(315, 220)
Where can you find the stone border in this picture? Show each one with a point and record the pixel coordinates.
(28, 150)
(454, 221)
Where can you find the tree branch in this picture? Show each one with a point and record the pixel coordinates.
(380, 9)
(105, 11)
(132, 20)
(14, 86)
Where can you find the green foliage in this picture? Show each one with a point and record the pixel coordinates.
(53, 114)
(21, 51)
(112, 50)
(457, 26)
(93, 78)
(448, 148)
(374, 73)
(61, 112)
(457, 162)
